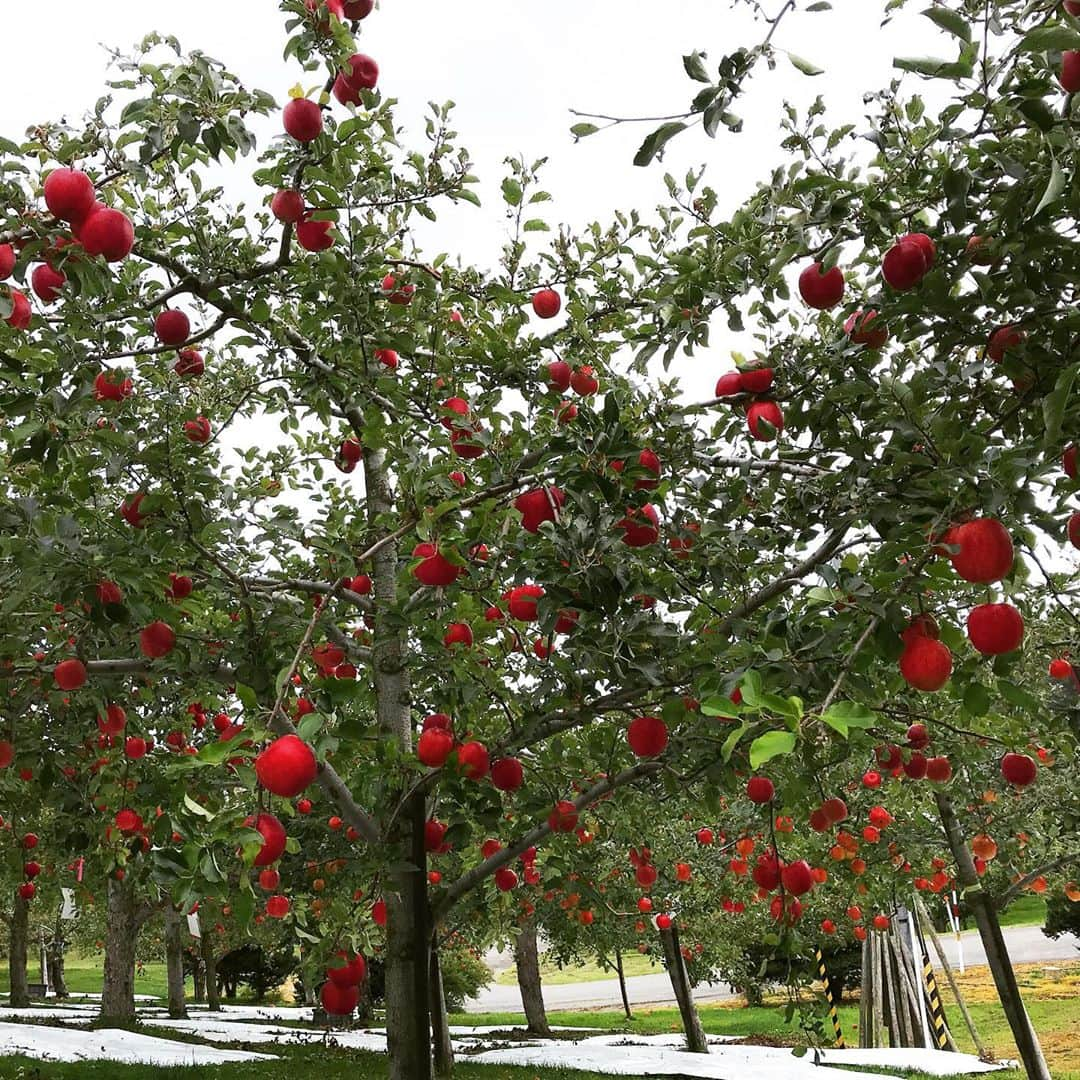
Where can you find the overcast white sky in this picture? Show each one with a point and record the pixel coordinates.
(515, 69)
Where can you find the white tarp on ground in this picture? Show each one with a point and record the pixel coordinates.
(114, 1044)
(609, 1054)
(724, 1062)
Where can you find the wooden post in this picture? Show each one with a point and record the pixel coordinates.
(622, 983)
(951, 978)
(696, 1042)
(997, 954)
(876, 1000)
(866, 996)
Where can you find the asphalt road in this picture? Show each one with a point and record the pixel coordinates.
(1027, 944)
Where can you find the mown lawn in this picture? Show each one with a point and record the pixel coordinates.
(83, 975)
(553, 975)
(1051, 991)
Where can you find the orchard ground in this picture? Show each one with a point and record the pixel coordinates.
(1051, 990)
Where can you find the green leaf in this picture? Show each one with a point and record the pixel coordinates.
(804, 65)
(695, 67)
(1056, 38)
(1054, 186)
(1015, 695)
(977, 699)
(951, 21)
(260, 311)
(842, 716)
(821, 5)
(935, 68)
(751, 688)
(511, 190)
(771, 744)
(657, 141)
(720, 706)
(247, 698)
(1056, 402)
(536, 225)
(195, 808)
(732, 741)
(580, 131)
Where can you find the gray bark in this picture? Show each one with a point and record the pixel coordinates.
(408, 1031)
(527, 960)
(174, 961)
(206, 950)
(440, 1026)
(696, 1042)
(997, 955)
(118, 988)
(20, 985)
(622, 984)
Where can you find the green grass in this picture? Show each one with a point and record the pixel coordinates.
(298, 1063)
(1026, 910)
(553, 975)
(83, 975)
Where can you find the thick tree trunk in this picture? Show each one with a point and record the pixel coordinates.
(622, 984)
(198, 979)
(696, 1042)
(982, 906)
(56, 961)
(206, 950)
(174, 961)
(408, 1031)
(527, 959)
(118, 988)
(20, 986)
(443, 1049)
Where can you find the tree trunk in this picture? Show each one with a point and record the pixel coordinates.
(198, 979)
(20, 986)
(408, 935)
(174, 961)
(56, 961)
(622, 984)
(408, 1030)
(696, 1042)
(997, 955)
(527, 960)
(118, 988)
(206, 950)
(442, 1046)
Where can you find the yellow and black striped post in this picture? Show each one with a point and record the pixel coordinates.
(937, 1013)
(833, 1014)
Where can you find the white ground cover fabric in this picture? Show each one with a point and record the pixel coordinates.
(59, 1044)
(608, 1054)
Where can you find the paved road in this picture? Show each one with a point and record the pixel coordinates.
(1027, 944)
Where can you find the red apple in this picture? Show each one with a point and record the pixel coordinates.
(760, 790)
(107, 232)
(197, 430)
(273, 838)
(729, 384)
(507, 774)
(70, 674)
(287, 205)
(69, 194)
(156, 640)
(769, 412)
(47, 283)
(303, 120)
(866, 328)
(1003, 339)
(434, 569)
(473, 760)
(797, 878)
(926, 664)
(1070, 71)
(7, 261)
(190, 363)
(995, 628)
(546, 303)
(21, 312)
(521, 602)
(821, 288)
(938, 769)
(1018, 769)
(647, 736)
(904, 265)
(172, 327)
(287, 766)
(985, 550)
(538, 506)
(584, 381)
(563, 818)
